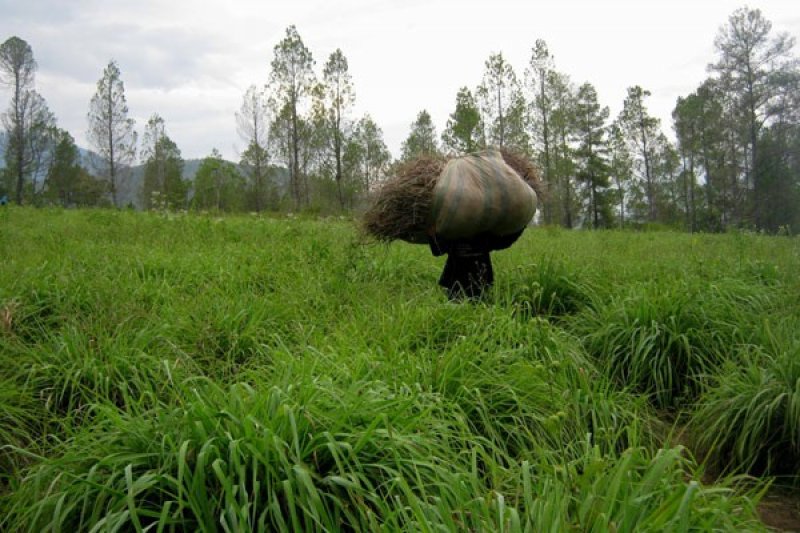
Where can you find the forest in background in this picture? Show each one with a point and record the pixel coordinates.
(729, 159)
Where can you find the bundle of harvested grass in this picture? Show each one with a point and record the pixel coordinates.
(525, 169)
(402, 208)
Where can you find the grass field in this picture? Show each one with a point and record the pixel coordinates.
(169, 373)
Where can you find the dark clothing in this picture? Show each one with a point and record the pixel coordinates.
(467, 275)
(468, 270)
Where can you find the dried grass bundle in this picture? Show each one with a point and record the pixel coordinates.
(401, 209)
(525, 169)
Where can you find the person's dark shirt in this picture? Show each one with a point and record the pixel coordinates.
(468, 269)
(482, 243)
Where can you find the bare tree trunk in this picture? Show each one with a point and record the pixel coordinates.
(295, 156)
(337, 146)
(20, 138)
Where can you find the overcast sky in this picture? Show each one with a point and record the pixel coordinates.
(192, 60)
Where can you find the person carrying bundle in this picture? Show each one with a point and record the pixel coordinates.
(465, 207)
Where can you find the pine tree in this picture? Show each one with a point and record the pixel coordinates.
(751, 67)
(28, 121)
(591, 153)
(502, 105)
(641, 130)
(367, 155)
(218, 185)
(421, 140)
(689, 129)
(621, 168)
(340, 96)
(163, 184)
(461, 133)
(562, 187)
(539, 72)
(292, 80)
(111, 132)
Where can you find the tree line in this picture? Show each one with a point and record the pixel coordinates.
(304, 150)
(734, 161)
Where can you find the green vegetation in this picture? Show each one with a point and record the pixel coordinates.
(731, 164)
(183, 372)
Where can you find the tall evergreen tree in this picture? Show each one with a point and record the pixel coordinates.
(163, 168)
(62, 176)
(38, 144)
(462, 134)
(218, 185)
(317, 160)
(591, 153)
(502, 105)
(779, 165)
(421, 139)
(641, 130)
(712, 126)
(67, 183)
(292, 79)
(517, 118)
(670, 191)
(562, 189)
(280, 143)
(340, 96)
(28, 119)
(751, 66)
(111, 132)
(685, 118)
(621, 168)
(539, 73)
(368, 156)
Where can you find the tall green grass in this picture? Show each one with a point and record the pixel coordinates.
(550, 288)
(187, 372)
(749, 418)
(371, 457)
(665, 339)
